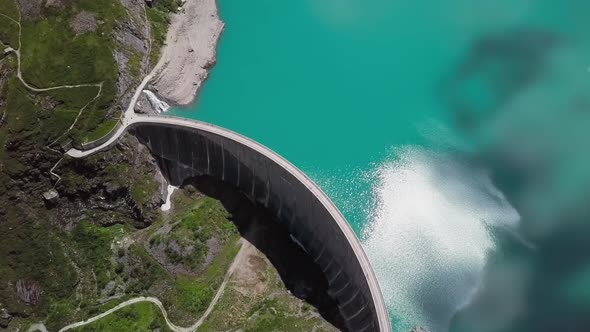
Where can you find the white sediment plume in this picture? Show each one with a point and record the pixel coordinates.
(168, 203)
(428, 238)
(157, 104)
(191, 45)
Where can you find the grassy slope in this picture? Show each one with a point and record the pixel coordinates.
(8, 29)
(9, 8)
(48, 49)
(53, 55)
(139, 317)
(185, 297)
(193, 229)
(8, 32)
(201, 217)
(271, 308)
(99, 132)
(31, 250)
(159, 17)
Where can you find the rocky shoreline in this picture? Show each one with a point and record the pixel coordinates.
(190, 51)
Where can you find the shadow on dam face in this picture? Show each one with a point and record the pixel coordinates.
(301, 276)
(186, 149)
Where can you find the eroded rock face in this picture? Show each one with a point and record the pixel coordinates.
(30, 8)
(134, 37)
(56, 3)
(121, 185)
(28, 291)
(84, 22)
(131, 37)
(5, 317)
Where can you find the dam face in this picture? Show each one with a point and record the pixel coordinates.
(186, 149)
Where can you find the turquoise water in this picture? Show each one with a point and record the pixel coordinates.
(404, 112)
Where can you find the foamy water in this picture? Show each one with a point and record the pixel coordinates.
(159, 105)
(428, 237)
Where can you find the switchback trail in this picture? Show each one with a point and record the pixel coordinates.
(244, 249)
(19, 74)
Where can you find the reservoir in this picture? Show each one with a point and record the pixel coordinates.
(419, 119)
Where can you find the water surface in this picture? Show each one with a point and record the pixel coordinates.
(403, 111)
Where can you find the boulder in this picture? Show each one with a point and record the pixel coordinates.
(50, 197)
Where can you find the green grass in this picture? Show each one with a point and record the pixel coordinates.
(275, 315)
(137, 317)
(117, 173)
(75, 97)
(8, 32)
(159, 18)
(269, 308)
(102, 130)
(90, 119)
(58, 123)
(144, 271)
(135, 65)
(8, 7)
(94, 244)
(194, 228)
(31, 250)
(143, 189)
(53, 55)
(21, 128)
(21, 109)
(192, 295)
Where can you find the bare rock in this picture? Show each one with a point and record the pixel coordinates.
(113, 189)
(56, 3)
(28, 291)
(144, 106)
(84, 22)
(30, 8)
(100, 192)
(128, 37)
(5, 318)
(50, 198)
(125, 81)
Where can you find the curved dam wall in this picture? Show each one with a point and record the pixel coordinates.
(186, 149)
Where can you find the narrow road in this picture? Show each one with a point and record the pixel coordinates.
(244, 249)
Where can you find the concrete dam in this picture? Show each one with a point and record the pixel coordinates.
(186, 149)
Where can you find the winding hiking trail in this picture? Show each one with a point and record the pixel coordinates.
(244, 251)
(19, 74)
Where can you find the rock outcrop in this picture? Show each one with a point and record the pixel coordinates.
(121, 185)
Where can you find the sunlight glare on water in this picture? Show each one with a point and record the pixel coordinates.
(429, 233)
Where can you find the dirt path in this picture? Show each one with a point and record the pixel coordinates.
(245, 250)
(19, 74)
